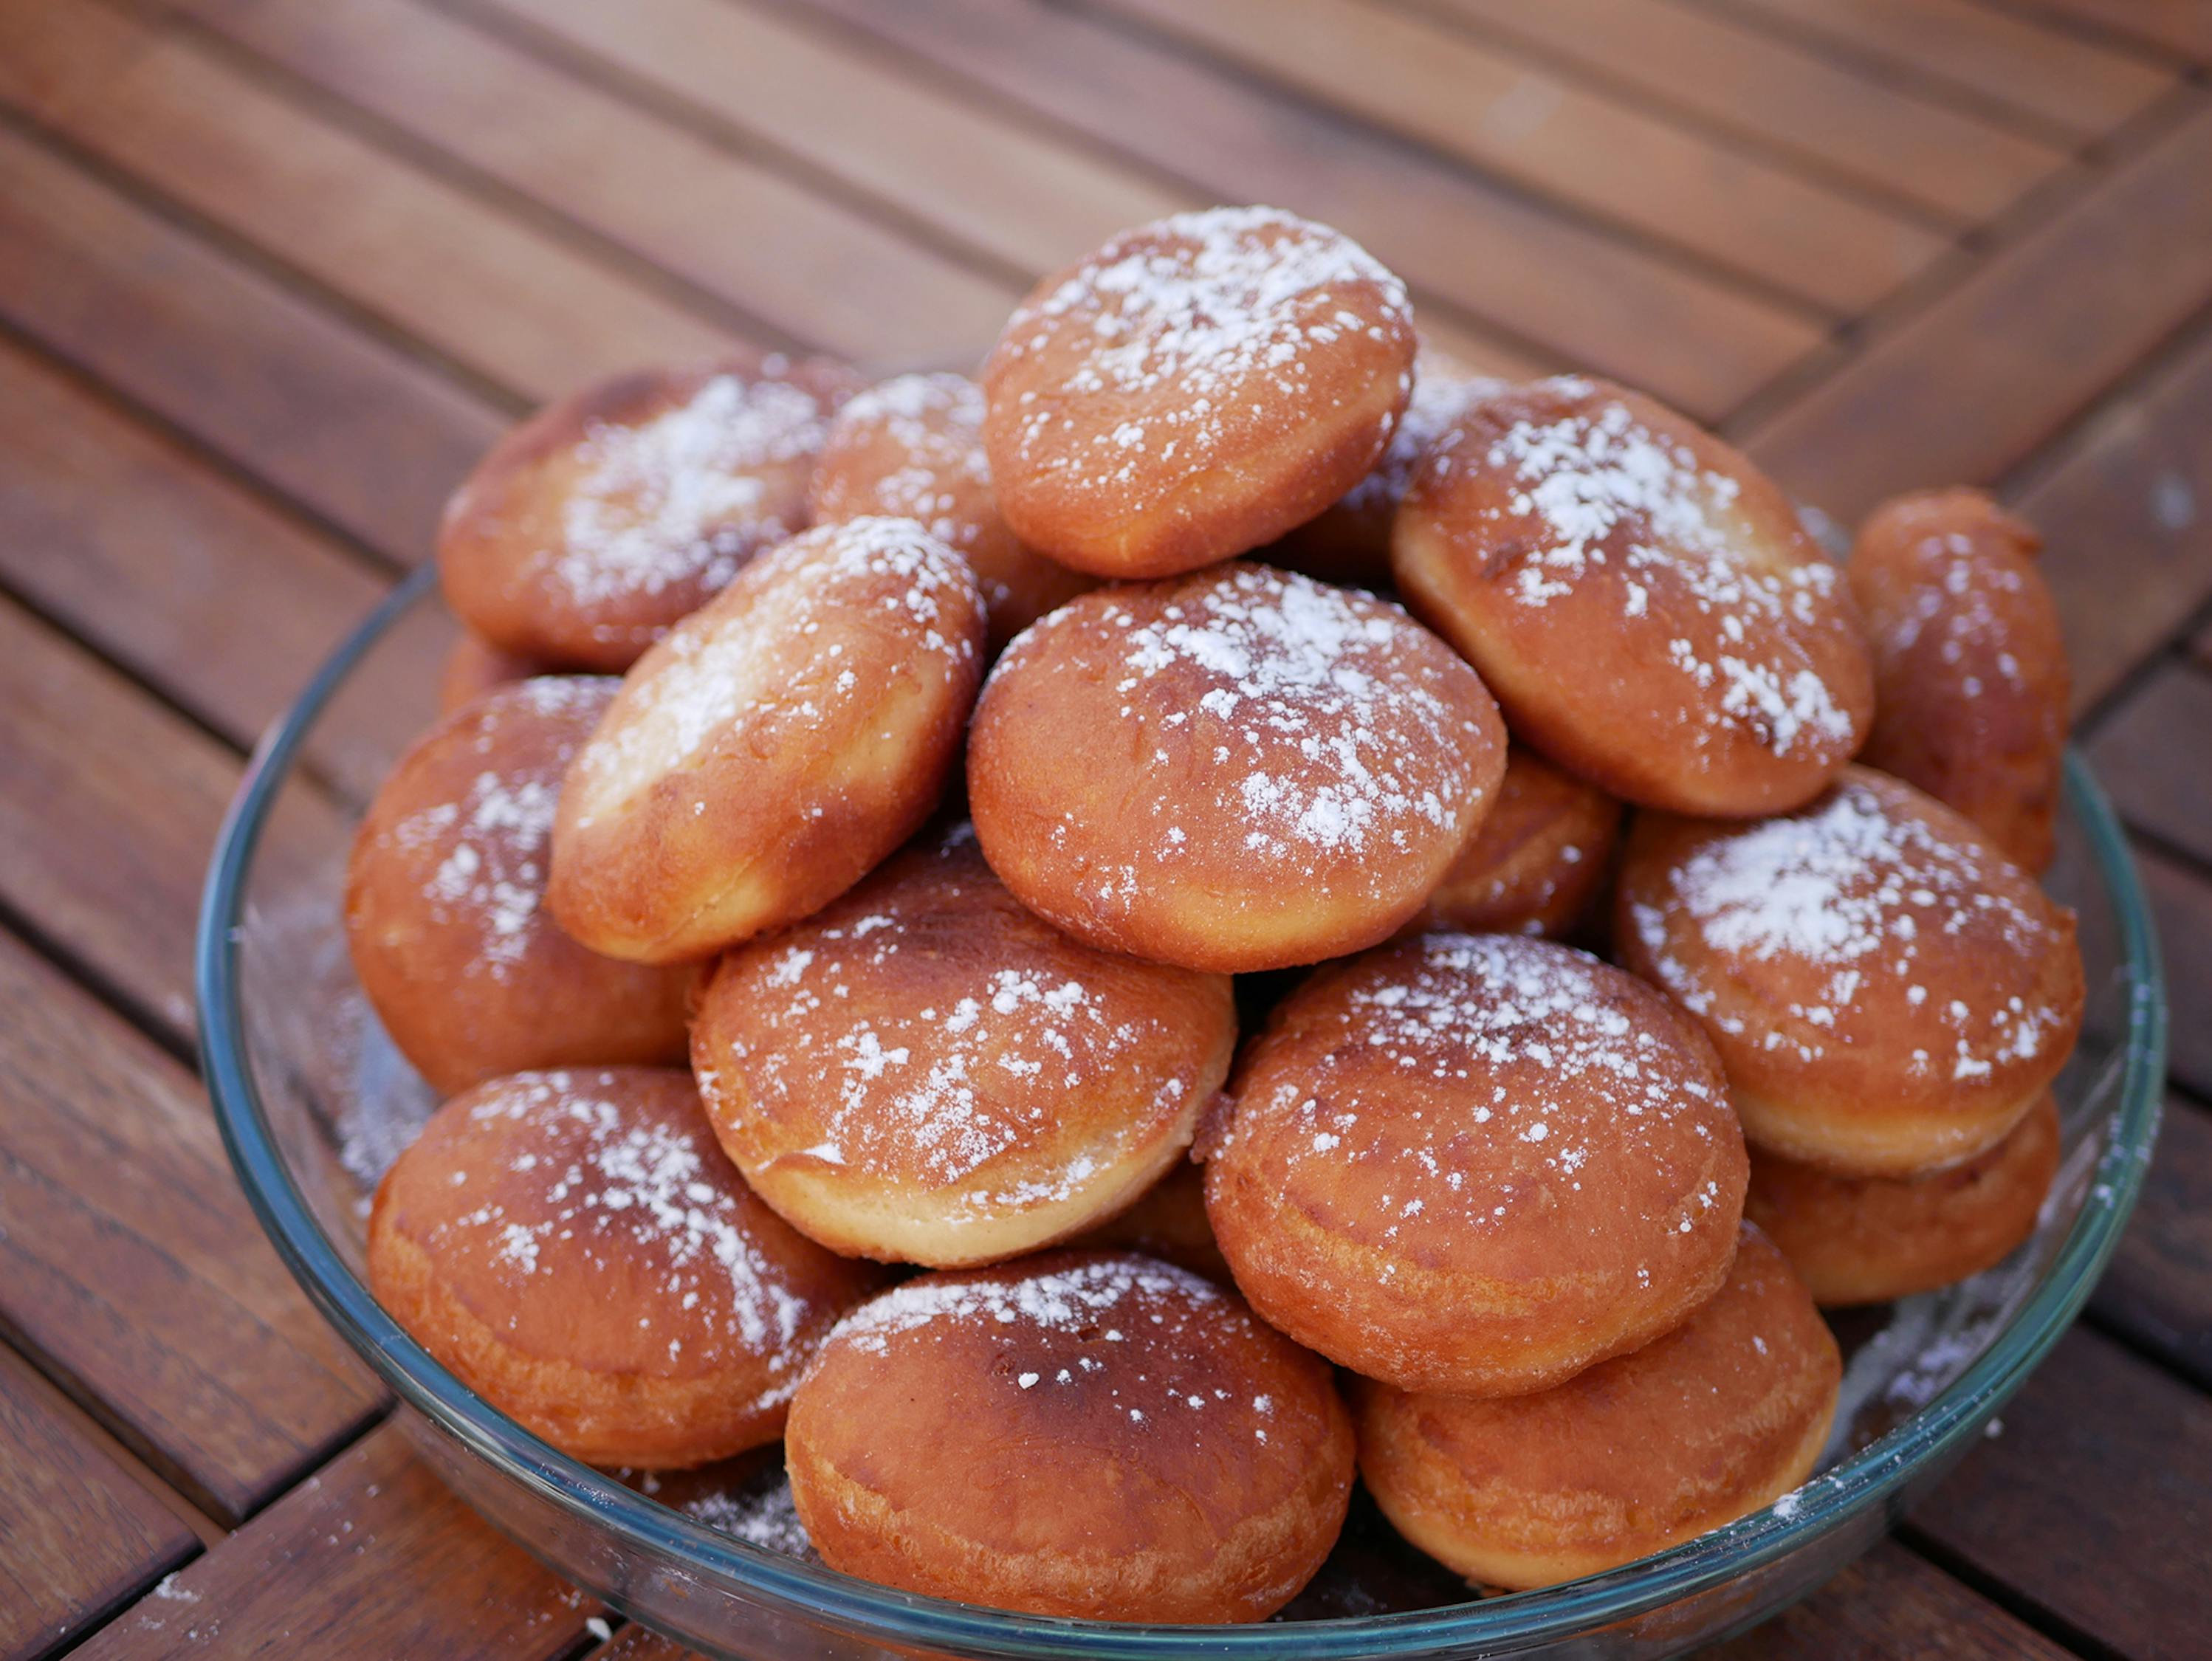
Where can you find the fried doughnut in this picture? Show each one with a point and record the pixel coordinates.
(1868, 1239)
(778, 743)
(1721, 1416)
(1888, 993)
(574, 1247)
(924, 1072)
(1645, 603)
(444, 913)
(591, 527)
(1970, 685)
(1241, 769)
(1537, 861)
(475, 666)
(1080, 1433)
(1194, 388)
(1168, 1221)
(1477, 1164)
(914, 446)
(1349, 541)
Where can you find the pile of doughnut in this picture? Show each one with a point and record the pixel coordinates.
(850, 902)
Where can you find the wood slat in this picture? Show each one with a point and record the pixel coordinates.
(1978, 50)
(2159, 1289)
(2136, 746)
(1580, 296)
(370, 1557)
(2181, 902)
(82, 1537)
(767, 243)
(2095, 1504)
(1890, 1604)
(1976, 380)
(2179, 26)
(1821, 115)
(522, 308)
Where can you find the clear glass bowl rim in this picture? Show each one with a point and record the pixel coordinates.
(1867, 1479)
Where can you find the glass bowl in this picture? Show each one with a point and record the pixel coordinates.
(313, 1102)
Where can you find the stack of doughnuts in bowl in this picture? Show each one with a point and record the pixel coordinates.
(1222, 912)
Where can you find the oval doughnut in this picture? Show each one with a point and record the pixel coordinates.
(1720, 1417)
(591, 527)
(1888, 993)
(1539, 859)
(1868, 1239)
(475, 666)
(1477, 1164)
(1193, 389)
(1241, 769)
(444, 907)
(1970, 685)
(914, 446)
(779, 742)
(924, 1072)
(1081, 1434)
(1645, 603)
(574, 1247)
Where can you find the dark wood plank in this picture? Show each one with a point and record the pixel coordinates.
(1576, 294)
(1818, 115)
(370, 1557)
(2149, 752)
(769, 244)
(2159, 1289)
(2179, 26)
(2181, 902)
(522, 308)
(82, 1537)
(1890, 1604)
(2095, 1503)
(1396, 70)
(1973, 382)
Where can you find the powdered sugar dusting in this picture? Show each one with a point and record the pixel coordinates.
(1436, 401)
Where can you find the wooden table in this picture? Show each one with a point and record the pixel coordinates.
(273, 272)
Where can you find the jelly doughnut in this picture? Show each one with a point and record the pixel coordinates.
(1240, 769)
(1193, 389)
(574, 1247)
(924, 1072)
(444, 907)
(1080, 1433)
(1887, 993)
(1476, 1164)
(1538, 860)
(781, 740)
(1645, 603)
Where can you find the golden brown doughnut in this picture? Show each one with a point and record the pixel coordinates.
(1720, 1417)
(1970, 685)
(591, 527)
(574, 1247)
(1868, 1239)
(1166, 1222)
(475, 666)
(1887, 993)
(924, 1072)
(1538, 860)
(444, 903)
(1476, 1163)
(1193, 389)
(1645, 603)
(914, 446)
(1240, 769)
(1080, 1433)
(779, 742)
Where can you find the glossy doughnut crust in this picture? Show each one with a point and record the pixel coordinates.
(781, 740)
(575, 1248)
(1241, 769)
(444, 909)
(1868, 1239)
(1971, 684)
(1476, 1164)
(1888, 993)
(1193, 389)
(1079, 1434)
(1349, 541)
(1643, 601)
(591, 527)
(1537, 862)
(1166, 1222)
(914, 446)
(475, 666)
(1720, 1417)
(924, 1072)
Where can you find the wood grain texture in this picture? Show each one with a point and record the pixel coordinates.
(2134, 753)
(1887, 1604)
(371, 1556)
(2181, 902)
(2158, 1289)
(81, 1536)
(2182, 27)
